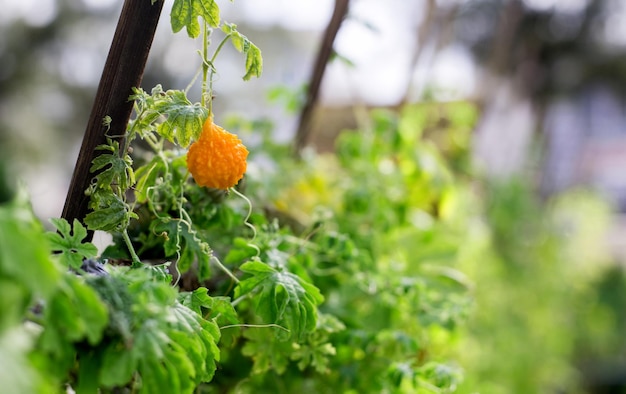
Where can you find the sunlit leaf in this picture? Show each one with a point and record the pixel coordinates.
(254, 60)
(184, 119)
(185, 13)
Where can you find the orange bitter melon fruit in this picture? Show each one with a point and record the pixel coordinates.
(218, 158)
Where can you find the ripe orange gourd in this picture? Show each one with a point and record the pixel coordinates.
(218, 158)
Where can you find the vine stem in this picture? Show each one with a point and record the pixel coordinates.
(223, 268)
(246, 221)
(219, 48)
(205, 65)
(255, 326)
(131, 249)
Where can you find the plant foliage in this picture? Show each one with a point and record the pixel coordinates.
(351, 272)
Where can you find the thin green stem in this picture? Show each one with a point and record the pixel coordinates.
(219, 48)
(205, 64)
(272, 325)
(131, 249)
(246, 221)
(195, 77)
(238, 300)
(211, 63)
(223, 268)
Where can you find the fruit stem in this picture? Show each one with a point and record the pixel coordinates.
(211, 62)
(205, 65)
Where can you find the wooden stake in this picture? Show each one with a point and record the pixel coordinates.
(123, 70)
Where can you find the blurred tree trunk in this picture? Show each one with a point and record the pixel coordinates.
(324, 54)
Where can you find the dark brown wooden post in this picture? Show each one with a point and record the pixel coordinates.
(123, 70)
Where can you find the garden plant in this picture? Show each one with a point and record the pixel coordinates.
(326, 273)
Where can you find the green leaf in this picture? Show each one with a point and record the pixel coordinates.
(154, 376)
(184, 119)
(70, 244)
(118, 365)
(316, 355)
(196, 300)
(25, 253)
(267, 352)
(202, 334)
(110, 213)
(147, 177)
(240, 251)
(89, 308)
(254, 63)
(218, 309)
(88, 373)
(150, 341)
(254, 60)
(115, 293)
(185, 13)
(222, 311)
(182, 240)
(113, 169)
(74, 313)
(281, 298)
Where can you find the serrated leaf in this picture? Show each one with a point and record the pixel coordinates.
(222, 311)
(70, 244)
(185, 13)
(184, 119)
(281, 298)
(254, 60)
(180, 369)
(254, 63)
(196, 299)
(218, 309)
(110, 213)
(114, 168)
(202, 335)
(150, 341)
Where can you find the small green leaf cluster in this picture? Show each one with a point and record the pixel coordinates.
(185, 13)
(129, 328)
(151, 341)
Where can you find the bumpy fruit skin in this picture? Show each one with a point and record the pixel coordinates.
(218, 158)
